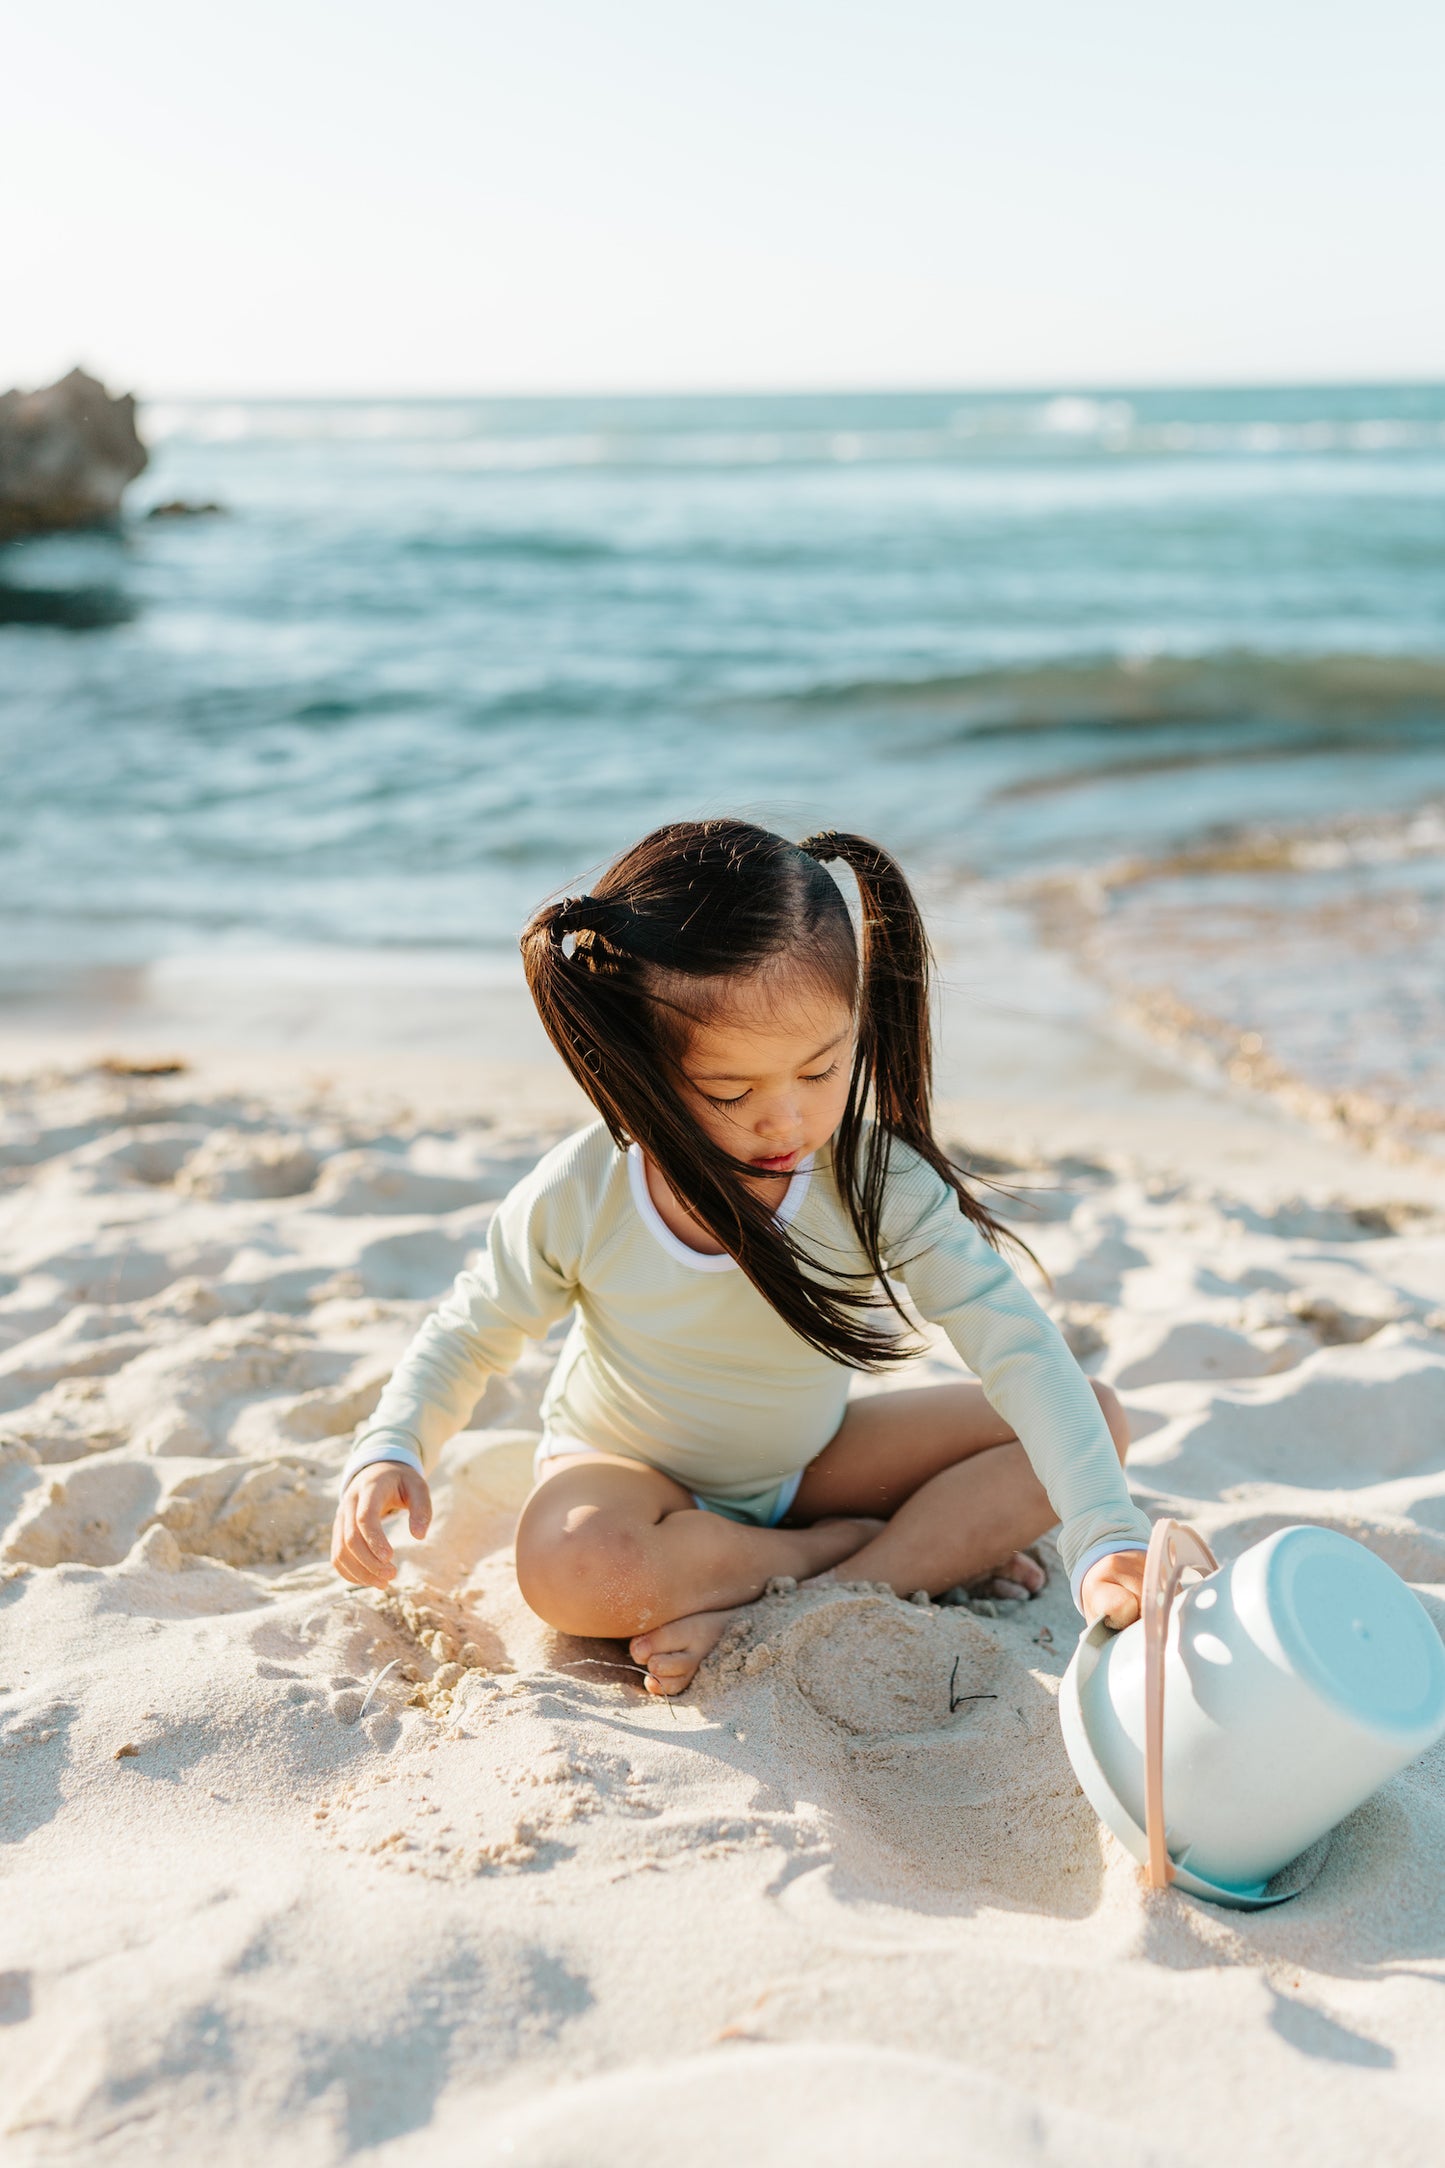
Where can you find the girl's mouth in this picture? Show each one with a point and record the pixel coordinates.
(783, 1163)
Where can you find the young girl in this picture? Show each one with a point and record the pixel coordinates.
(732, 1234)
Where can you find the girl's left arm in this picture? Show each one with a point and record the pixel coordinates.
(522, 1283)
(956, 1280)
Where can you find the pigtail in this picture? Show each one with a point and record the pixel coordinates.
(576, 991)
(893, 1066)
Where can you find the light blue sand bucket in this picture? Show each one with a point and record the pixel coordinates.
(1221, 1737)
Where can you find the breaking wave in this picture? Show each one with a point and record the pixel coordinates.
(1339, 694)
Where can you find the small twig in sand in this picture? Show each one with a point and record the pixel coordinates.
(371, 1690)
(956, 1701)
(608, 1663)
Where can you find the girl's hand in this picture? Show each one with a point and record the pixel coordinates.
(1113, 1589)
(359, 1549)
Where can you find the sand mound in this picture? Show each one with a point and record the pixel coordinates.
(305, 1874)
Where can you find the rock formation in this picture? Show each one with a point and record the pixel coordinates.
(66, 454)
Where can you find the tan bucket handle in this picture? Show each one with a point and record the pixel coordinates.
(1173, 1549)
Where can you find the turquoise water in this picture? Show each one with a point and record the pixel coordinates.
(440, 657)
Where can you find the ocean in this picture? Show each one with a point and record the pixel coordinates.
(1158, 675)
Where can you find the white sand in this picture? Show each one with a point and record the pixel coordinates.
(517, 1912)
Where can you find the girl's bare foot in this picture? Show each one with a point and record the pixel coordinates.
(1014, 1580)
(672, 1653)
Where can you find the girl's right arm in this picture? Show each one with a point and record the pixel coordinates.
(516, 1291)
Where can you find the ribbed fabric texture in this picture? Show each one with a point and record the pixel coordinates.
(684, 1365)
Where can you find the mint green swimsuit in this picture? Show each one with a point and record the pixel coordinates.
(675, 1359)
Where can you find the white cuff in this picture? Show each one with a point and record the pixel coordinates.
(366, 1455)
(1094, 1553)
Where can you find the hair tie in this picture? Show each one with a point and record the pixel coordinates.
(822, 847)
(571, 916)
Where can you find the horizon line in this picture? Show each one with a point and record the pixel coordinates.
(934, 387)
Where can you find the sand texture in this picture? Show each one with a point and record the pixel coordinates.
(294, 1874)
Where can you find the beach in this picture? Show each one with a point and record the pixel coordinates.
(309, 1873)
(483, 489)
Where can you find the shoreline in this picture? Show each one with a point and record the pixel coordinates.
(1036, 1056)
(1051, 995)
(1245, 917)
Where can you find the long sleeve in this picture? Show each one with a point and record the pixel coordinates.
(515, 1292)
(957, 1281)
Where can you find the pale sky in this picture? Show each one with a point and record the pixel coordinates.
(552, 195)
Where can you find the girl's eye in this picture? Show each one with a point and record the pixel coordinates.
(821, 1077)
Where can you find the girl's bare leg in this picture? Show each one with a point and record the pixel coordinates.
(959, 1499)
(610, 1547)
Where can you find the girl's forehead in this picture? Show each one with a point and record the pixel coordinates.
(765, 1027)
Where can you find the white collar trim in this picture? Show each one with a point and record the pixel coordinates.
(699, 1260)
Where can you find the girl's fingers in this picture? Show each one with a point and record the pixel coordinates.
(1118, 1605)
(351, 1555)
(1112, 1589)
(373, 1556)
(369, 1537)
(346, 1553)
(360, 1551)
(357, 1564)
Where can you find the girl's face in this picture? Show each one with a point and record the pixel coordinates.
(767, 1079)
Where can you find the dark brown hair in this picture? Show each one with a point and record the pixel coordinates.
(618, 977)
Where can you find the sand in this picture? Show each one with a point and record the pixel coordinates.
(296, 1874)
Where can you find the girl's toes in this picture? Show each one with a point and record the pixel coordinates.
(1014, 1581)
(1024, 1568)
(671, 1654)
(672, 1664)
(670, 1674)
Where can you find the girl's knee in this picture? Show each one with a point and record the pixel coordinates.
(581, 1569)
(1113, 1412)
